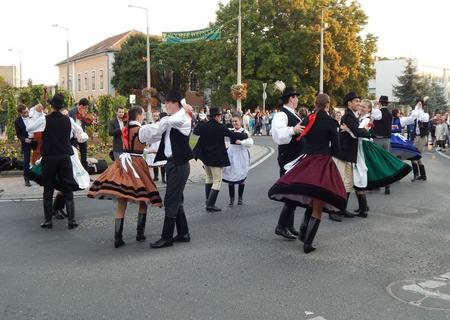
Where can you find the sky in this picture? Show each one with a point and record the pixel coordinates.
(406, 28)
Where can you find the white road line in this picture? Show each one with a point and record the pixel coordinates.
(444, 155)
(263, 158)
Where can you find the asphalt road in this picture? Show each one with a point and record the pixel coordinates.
(235, 266)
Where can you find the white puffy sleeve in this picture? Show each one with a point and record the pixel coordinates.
(36, 125)
(405, 121)
(78, 132)
(181, 121)
(420, 115)
(376, 114)
(281, 133)
(151, 133)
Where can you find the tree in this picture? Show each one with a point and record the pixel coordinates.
(409, 85)
(438, 97)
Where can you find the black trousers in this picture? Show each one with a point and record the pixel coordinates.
(176, 178)
(82, 147)
(286, 218)
(57, 168)
(26, 151)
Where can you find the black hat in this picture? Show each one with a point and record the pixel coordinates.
(420, 100)
(383, 99)
(174, 96)
(57, 101)
(350, 96)
(83, 102)
(215, 111)
(289, 91)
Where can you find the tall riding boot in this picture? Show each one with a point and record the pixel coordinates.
(344, 212)
(363, 208)
(163, 174)
(58, 207)
(48, 212)
(240, 193)
(311, 231)
(283, 222)
(423, 175)
(387, 190)
(140, 228)
(415, 168)
(359, 204)
(304, 224)
(118, 229)
(155, 174)
(167, 234)
(290, 226)
(70, 208)
(208, 187)
(231, 192)
(182, 227)
(211, 205)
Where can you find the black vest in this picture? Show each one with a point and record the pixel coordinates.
(56, 136)
(424, 128)
(383, 127)
(181, 150)
(292, 148)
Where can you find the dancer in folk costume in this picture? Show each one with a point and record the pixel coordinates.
(401, 147)
(128, 178)
(313, 180)
(152, 149)
(374, 166)
(239, 155)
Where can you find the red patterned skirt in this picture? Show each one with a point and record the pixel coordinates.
(126, 178)
(314, 176)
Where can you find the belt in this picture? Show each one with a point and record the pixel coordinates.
(380, 137)
(170, 159)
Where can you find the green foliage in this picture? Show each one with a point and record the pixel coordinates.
(409, 86)
(106, 105)
(438, 97)
(9, 150)
(11, 106)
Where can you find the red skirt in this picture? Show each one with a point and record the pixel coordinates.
(312, 177)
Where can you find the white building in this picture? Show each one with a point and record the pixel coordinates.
(388, 71)
(11, 75)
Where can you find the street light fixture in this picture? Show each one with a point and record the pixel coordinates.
(67, 60)
(20, 65)
(149, 81)
(322, 27)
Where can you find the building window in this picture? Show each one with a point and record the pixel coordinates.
(100, 75)
(93, 80)
(78, 82)
(86, 81)
(63, 83)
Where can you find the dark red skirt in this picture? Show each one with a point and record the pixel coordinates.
(312, 177)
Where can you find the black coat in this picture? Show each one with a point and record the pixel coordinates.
(324, 131)
(210, 147)
(348, 145)
(116, 133)
(21, 130)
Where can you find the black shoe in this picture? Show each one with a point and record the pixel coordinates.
(231, 202)
(311, 232)
(415, 168)
(364, 209)
(239, 202)
(164, 180)
(118, 229)
(182, 238)
(335, 217)
(70, 208)
(284, 232)
(48, 213)
(59, 215)
(140, 228)
(166, 235)
(240, 193)
(423, 175)
(347, 214)
(47, 224)
(387, 190)
(161, 243)
(211, 206)
(304, 224)
(27, 183)
(362, 214)
(293, 231)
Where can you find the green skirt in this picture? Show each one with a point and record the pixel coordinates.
(383, 167)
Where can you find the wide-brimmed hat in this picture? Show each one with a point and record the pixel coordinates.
(383, 99)
(174, 96)
(289, 91)
(57, 101)
(215, 111)
(350, 96)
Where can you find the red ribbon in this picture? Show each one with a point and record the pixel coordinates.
(125, 138)
(310, 122)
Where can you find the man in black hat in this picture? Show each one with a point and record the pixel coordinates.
(420, 132)
(348, 151)
(286, 126)
(56, 163)
(381, 131)
(211, 150)
(77, 114)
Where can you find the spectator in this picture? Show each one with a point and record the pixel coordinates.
(21, 132)
(441, 134)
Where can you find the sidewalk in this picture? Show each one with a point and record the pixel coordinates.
(14, 188)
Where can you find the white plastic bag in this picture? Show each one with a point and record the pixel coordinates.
(80, 175)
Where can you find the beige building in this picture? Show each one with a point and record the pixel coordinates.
(11, 75)
(90, 71)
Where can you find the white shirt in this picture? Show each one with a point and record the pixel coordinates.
(281, 133)
(36, 114)
(120, 123)
(39, 124)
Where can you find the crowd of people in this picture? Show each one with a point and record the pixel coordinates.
(323, 157)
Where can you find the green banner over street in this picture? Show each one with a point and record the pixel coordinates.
(208, 34)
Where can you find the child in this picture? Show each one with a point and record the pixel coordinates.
(441, 134)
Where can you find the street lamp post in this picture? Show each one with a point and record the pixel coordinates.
(264, 96)
(20, 65)
(149, 80)
(239, 81)
(321, 55)
(67, 60)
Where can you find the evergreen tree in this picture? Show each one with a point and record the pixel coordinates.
(409, 84)
(438, 97)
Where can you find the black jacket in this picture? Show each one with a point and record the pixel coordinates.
(56, 136)
(21, 130)
(348, 145)
(116, 133)
(324, 131)
(210, 147)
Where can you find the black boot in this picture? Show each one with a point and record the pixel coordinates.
(58, 207)
(211, 205)
(118, 229)
(155, 174)
(167, 234)
(70, 208)
(283, 221)
(27, 182)
(290, 226)
(163, 174)
(387, 190)
(140, 228)
(240, 193)
(208, 187)
(231, 192)
(415, 168)
(182, 227)
(345, 213)
(311, 231)
(364, 209)
(304, 224)
(48, 211)
(423, 175)
(335, 216)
